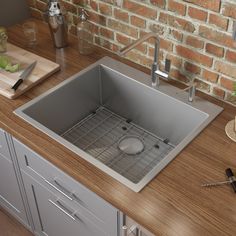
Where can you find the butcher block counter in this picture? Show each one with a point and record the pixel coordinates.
(173, 203)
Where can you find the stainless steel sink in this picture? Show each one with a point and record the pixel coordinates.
(110, 115)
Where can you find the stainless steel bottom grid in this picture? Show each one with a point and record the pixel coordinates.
(99, 135)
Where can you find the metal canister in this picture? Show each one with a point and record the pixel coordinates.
(3, 39)
(57, 21)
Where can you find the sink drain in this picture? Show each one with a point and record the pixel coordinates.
(131, 145)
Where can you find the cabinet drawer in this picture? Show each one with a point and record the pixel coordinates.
(3, 145)
(54, 216)
(62, 184)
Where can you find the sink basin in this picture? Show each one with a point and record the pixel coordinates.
(110, 115)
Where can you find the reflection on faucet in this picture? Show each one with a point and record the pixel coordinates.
(155, 70)
(192, 89)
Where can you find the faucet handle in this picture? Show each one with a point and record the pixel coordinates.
(167, 65)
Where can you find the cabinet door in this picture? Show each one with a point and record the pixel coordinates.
(4, 150)
(53, 216)
(10, 196)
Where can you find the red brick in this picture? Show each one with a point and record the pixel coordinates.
(121, 15)
(156, 28)
(194, 42)
(215, 50)
(202, 85)
(224, 68)
(194, 55)
(218, 92)
(140, 9)
(134, 56)
(229, 9)
(219, 21)
(177, 7)
(230, 56)
(94, 5)
(216, 36)
(151, 53)
(41, 6)
(142, 48)
(36, 14)
(105, 9)
(107, 33)
(210, 76)
(78, 2)
(175, 61)
(96, 18)
(227, 83)
(146, 61)
(128, 30)
(106, 44)
(192, 68)
(197, 14)
(122, 39)
(176, 74)
(159, 3)
(176, 22)
(177, 35)
(213, 5)
(70, 7)
(167, 45)
(137, 21)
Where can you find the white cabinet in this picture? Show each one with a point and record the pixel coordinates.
(55, 216)
(10, 195)
(56, 199)
(35, 191)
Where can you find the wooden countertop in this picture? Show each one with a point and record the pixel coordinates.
(173, 203)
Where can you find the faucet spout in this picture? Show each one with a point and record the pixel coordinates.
(126, 49)
(155, 71)
(155, 65)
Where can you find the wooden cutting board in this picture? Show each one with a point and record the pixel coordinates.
(43, 69)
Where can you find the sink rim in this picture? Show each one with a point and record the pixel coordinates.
(209, 109)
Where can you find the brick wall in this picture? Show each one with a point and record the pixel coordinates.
(195, 35)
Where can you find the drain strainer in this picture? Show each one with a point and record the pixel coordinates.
(131, 145)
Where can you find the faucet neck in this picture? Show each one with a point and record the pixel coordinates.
(126, 49)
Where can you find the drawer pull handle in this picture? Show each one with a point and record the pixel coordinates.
(77, 199)
(60, 208)
(68, 192)
(60, 191)
(78, 218)
(64, 189)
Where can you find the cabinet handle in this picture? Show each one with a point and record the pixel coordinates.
(124, 230)
(68, 192)
(64, 189)
(61, 209)
(78, 218)
(60, 191)
(124, 227)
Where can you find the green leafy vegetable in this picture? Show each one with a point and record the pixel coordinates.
(6, 64)
(4, 61)
(12, 68)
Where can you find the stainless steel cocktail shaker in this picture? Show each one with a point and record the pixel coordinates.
(57, 21)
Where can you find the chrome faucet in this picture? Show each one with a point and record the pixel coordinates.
(156, 73)
(155, 70)
(191, 91)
